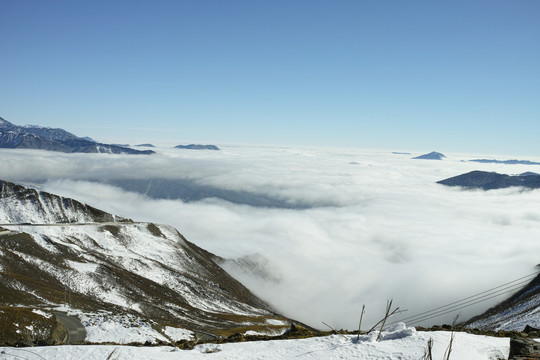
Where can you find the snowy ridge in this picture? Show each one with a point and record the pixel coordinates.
(19, 204)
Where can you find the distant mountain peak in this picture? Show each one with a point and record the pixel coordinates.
(508, 162)
(4, 124)
(27, 126)
(491, 180)
(197, 147)
(431, 156)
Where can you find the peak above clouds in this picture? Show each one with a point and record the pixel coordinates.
(46, 132)
(197, 147)
(492, 180)
(431, 156)
(379, 229)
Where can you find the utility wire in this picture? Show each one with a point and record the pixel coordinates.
(458, 304)
(445, 310)
(470, 300)
(459, 308)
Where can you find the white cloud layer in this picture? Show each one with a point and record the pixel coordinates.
(378, 225)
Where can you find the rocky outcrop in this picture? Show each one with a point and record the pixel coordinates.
(524, 349)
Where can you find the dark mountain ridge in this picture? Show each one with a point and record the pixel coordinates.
(45, 132)
(197, 147)
(491, 180)
(53, 139)
(508, 162)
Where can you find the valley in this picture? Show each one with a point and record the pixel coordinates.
(133, 281)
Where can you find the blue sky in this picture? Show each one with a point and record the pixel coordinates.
(455, 76)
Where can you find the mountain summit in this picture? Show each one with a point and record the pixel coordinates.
(53, 139)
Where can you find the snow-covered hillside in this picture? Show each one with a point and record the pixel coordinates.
(19, 204)
(515, 318)
(515, 313)
(61, 251)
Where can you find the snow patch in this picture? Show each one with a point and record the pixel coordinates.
(265, 333)
(104, 327)
(42, 313)
(177, 334)
(277, 322)
(82, 267)
(399, 331)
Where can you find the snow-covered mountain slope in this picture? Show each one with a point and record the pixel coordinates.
(44, 132)
(36, 137)
(59, 250)
(50, 133)
(19, 204)
(520, 310)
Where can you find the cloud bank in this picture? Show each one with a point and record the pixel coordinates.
(375, 224)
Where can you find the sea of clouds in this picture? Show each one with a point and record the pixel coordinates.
(372, 225)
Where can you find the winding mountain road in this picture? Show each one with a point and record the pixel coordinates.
(8, 231)
(76, 330)
(74, 224)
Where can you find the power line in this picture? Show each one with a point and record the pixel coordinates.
(462, 303)
(470, 300)
(470, 303)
